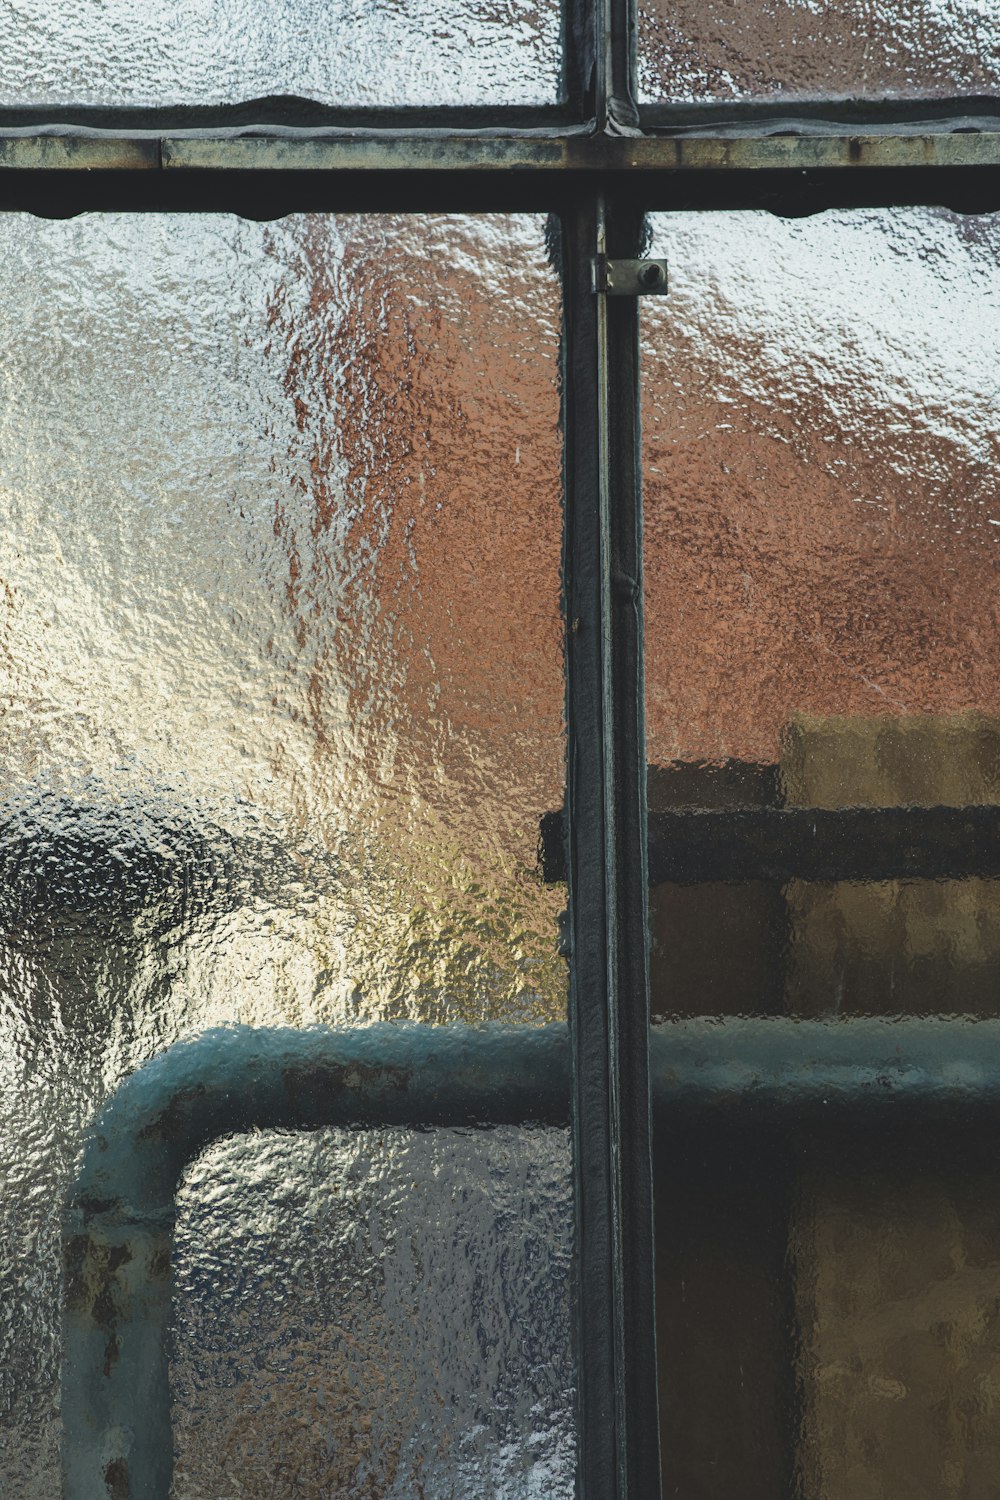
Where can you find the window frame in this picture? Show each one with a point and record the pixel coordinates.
(596, 161)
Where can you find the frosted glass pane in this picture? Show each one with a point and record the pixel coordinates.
(338, 52)
(378, 1314)
(789, 49)
(282, 672)
(821, 436)
(820, 448)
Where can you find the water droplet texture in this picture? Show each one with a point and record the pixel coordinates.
(282, 698)
(348, 53)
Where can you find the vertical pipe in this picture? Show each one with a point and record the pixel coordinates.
(609, 991)
(117, 1441)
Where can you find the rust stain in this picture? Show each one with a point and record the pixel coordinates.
(76, 1256)
(169, 1122)
(116, 1479)
(112, 1350)
(91, 1267)
(306, 1079)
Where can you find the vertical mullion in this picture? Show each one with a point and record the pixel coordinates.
(626, 862)
(616, 31)
(579, 56)
(609, 991)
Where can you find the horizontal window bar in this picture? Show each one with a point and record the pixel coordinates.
(843, 150)
(266, 172)
(808, 843)
(262, 149)
(751, 117)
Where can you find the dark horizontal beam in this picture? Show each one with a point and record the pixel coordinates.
(259, 149)
(265, 171)
(807, 843)
(825, 844)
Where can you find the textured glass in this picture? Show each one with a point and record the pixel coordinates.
(273, 754)
(690, 50)
(820, 446)
(388, 1316)
(340, 52)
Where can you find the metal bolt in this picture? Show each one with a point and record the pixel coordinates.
(651, 275)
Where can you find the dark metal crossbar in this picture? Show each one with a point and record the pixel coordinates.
(425, 145)
(265, 170)
(808, 843)
(120, 1215)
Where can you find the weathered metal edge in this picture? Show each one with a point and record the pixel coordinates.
(367, 153)
(829, 115)
(79, 151)
(816, 152)
(578, 152)
(335, 150)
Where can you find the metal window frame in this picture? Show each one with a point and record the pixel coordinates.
(597, 161)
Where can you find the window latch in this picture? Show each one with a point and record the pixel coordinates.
(629, 278)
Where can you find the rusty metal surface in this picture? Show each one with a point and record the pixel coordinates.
(576, 151)
(811, 152)
(336, 149)
(119, 1220)
(942, 1066)
(353, 151)
(69, 150)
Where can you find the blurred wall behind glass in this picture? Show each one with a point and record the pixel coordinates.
(820, 428)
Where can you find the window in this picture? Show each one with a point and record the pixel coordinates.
(300, 325)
